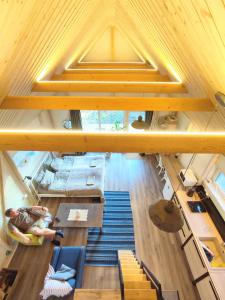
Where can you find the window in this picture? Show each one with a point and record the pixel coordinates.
(90, 120)
(109, 120)
(220, 181)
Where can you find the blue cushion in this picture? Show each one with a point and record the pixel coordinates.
(69, 256)
(72, 282)
(55, 257)
(64, 273)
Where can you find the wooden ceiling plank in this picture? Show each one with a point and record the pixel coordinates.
(107, 103)
(109, 86)
(151, 142)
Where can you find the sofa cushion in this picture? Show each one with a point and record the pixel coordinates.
(69, 256)
(55, 257)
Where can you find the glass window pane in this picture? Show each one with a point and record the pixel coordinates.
(90, 120)
(112, 120)
(220, 180)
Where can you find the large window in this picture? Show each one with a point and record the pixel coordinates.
(220, 181)
(90, 120)
(109, 120)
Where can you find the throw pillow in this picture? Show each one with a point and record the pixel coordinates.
(63, 273)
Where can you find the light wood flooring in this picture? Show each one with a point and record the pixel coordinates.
(160, 251)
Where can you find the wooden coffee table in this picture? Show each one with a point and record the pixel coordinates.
(94, 217)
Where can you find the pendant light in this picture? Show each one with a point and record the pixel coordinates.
(166, 216)
(220, 97)
(139, 123)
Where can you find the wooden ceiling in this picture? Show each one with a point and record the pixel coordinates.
(38, 36)
(184, 38)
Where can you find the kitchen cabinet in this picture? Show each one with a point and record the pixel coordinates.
(207, 289)
(195, 259)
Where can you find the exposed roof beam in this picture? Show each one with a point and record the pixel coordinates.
(113, 77)
(109, 86)
(151, 142)
(107, 103)
(112, 65)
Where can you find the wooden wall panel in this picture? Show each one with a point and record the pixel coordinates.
(44, 31)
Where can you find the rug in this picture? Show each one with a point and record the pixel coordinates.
(117, 231)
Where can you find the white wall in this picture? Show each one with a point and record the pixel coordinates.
(14, 196)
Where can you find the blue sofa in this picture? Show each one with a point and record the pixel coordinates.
(73, 257)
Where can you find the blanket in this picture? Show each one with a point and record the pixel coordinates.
(54, 287)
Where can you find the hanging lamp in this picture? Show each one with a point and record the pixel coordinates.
(139, 123)
(166, 216)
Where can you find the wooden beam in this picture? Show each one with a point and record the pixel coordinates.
(108, 86)
(112, 65)
(151, 142)
(112, 77)
(110, 71)
(107, 103)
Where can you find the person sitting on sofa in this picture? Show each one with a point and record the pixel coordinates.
(31, 220)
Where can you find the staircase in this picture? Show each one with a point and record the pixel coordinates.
(135, 285)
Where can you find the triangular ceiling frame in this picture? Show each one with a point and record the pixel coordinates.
(131, 45)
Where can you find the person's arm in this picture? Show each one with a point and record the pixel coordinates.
(40, 208)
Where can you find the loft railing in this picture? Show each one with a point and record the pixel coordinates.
(154, 281)
(120, 278)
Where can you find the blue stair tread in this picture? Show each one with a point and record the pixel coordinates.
(117, 231)
(111, 230)
(109, 247)
(105, 233)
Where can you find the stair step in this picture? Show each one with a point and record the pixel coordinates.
(112, 232)
(117, 209)
(121, 205)
(111, 243)
(97, 294)
(125, 252)
(132, 271)
(128, 256)
(99, 260)
(137, 285)
(127, 223)
(140, 294)
(136, 277)
(108, 247)
(130, 266)
(109, 238)
(101, 255)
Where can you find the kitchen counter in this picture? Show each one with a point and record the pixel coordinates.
(209, 280)
(202, 226)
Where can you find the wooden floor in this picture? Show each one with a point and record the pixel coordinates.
(160, 251)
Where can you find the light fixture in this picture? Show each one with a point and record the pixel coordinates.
(220, 98)
(166, 216)
(139, 123)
